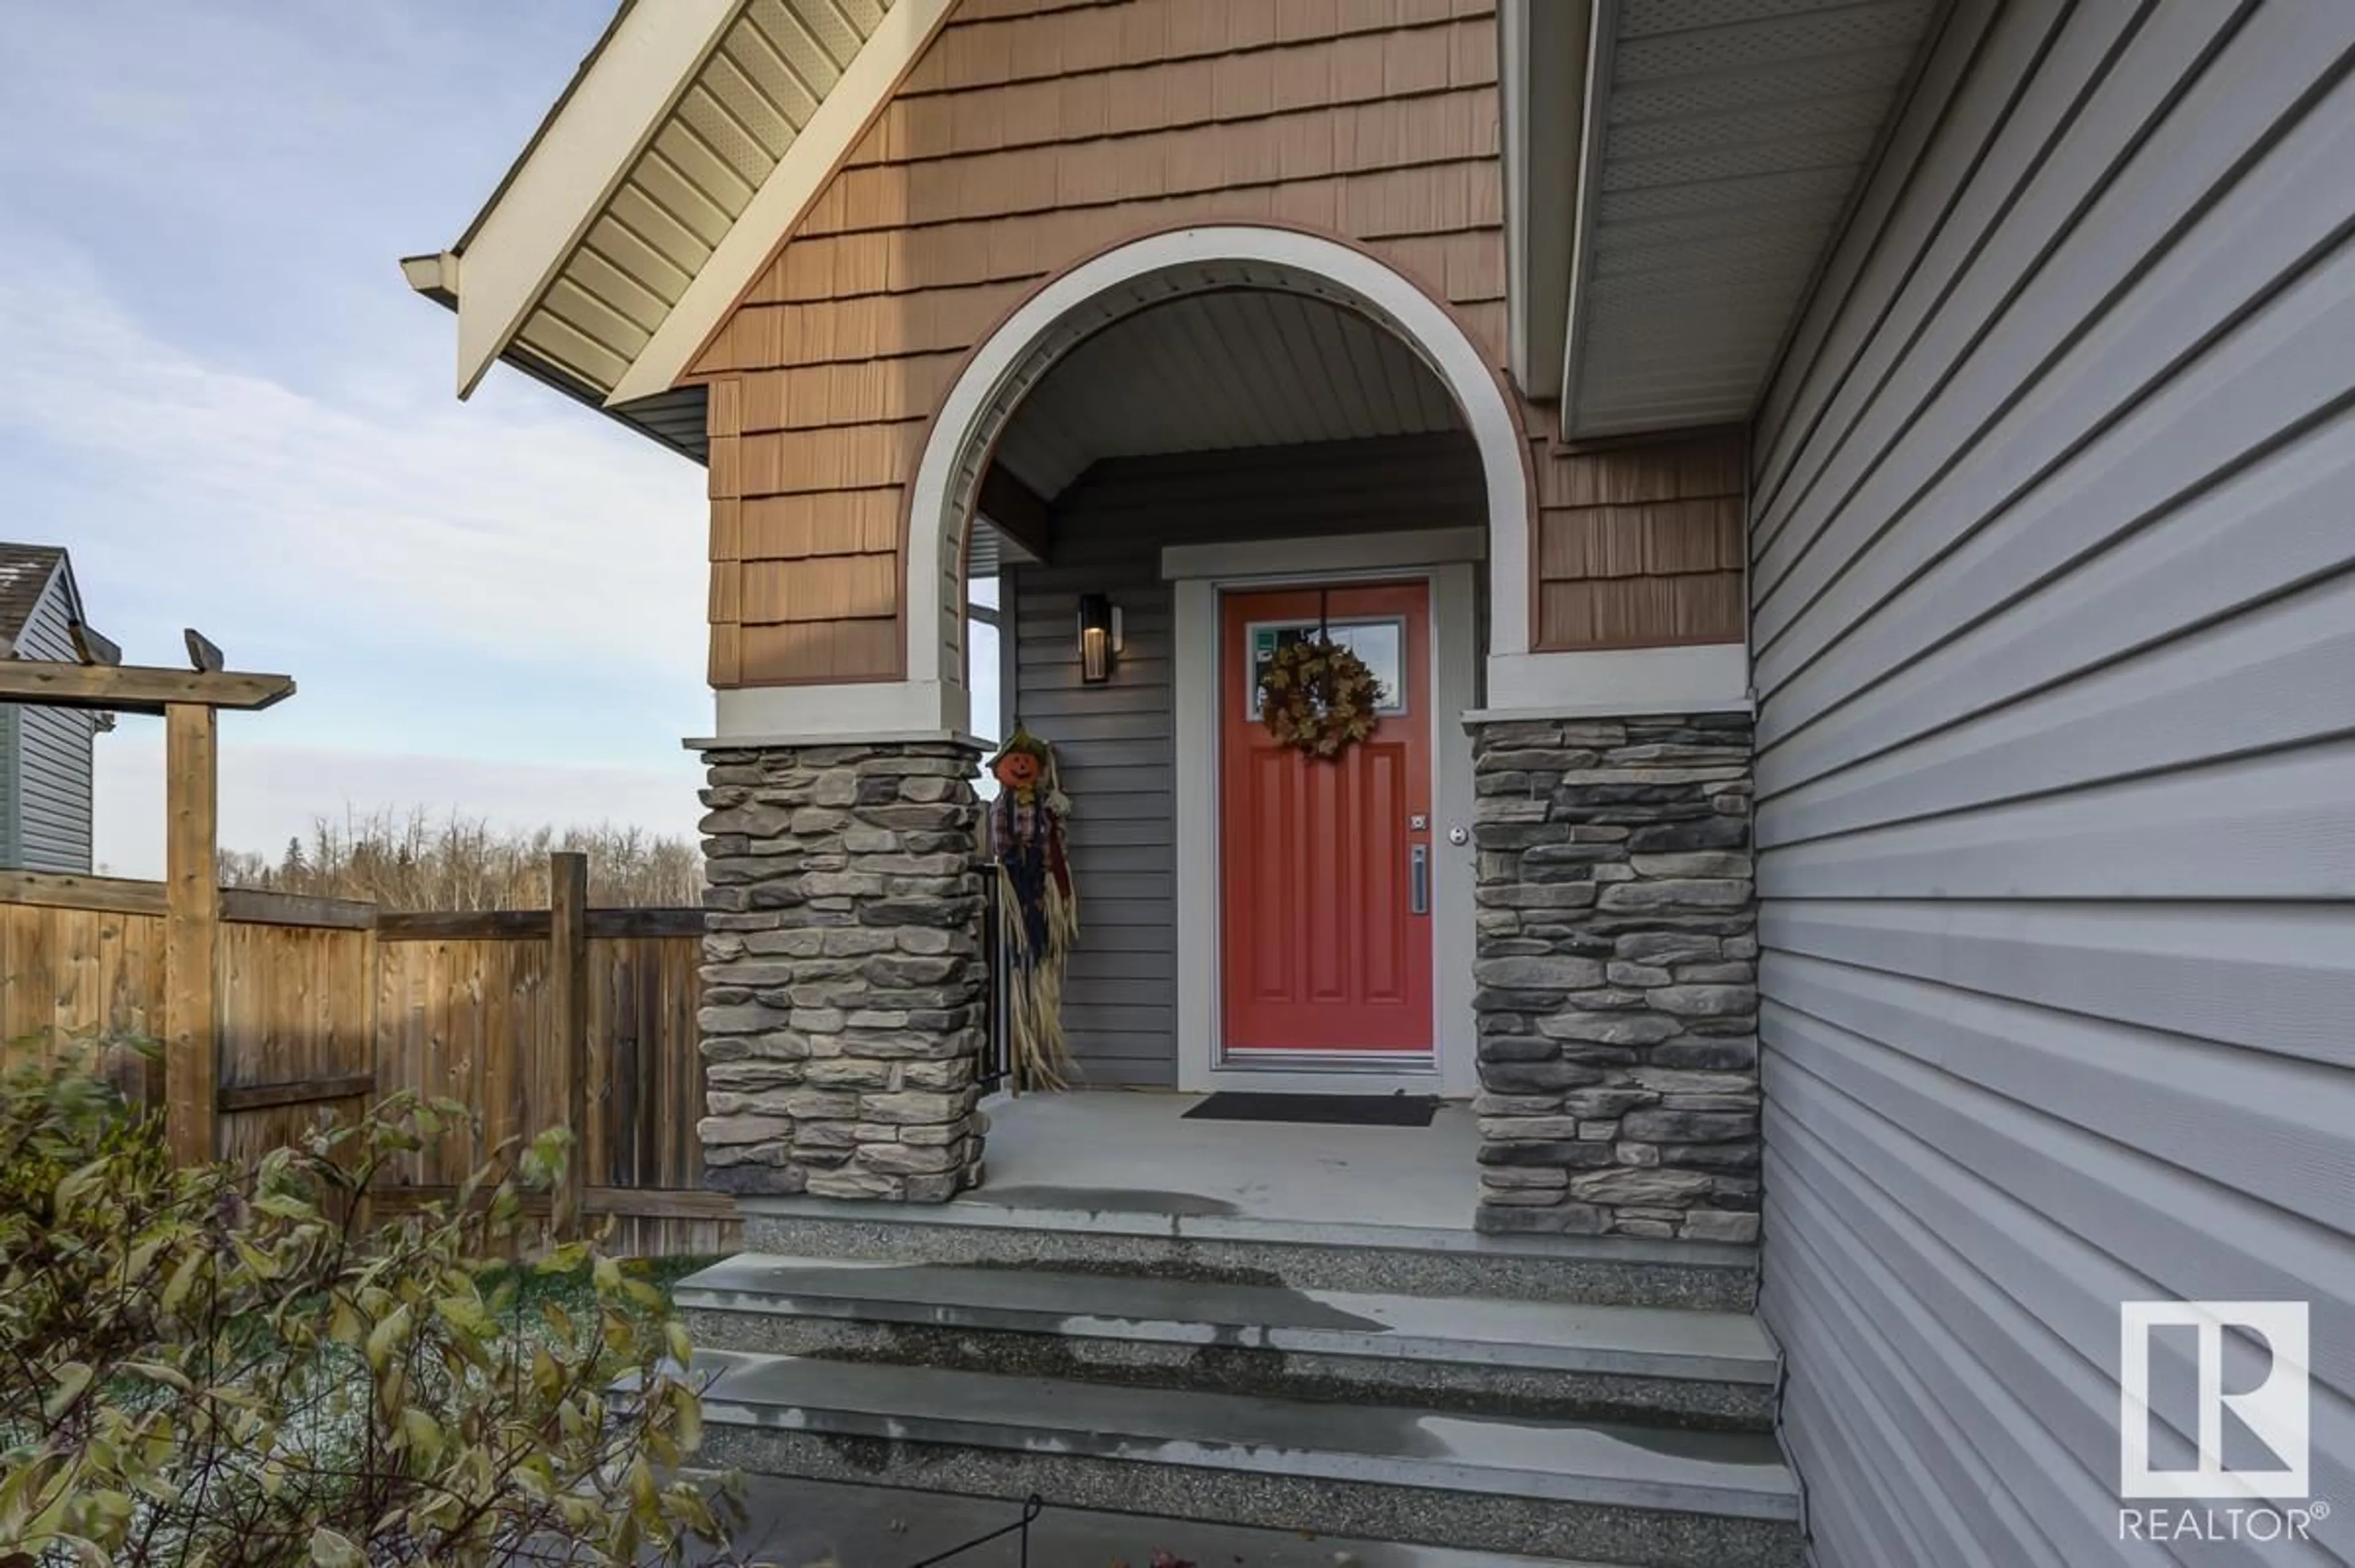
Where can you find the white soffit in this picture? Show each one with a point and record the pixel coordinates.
(1725, 139)
(1206, 372)
(681, 120)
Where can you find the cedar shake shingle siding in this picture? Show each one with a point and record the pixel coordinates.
(1024, 139)
(1027, 137)
(1640, 547)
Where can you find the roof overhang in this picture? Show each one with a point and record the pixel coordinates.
(674, 419)
(1675, 177)
(690, 143)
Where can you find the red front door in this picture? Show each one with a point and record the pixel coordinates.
(1323, 865)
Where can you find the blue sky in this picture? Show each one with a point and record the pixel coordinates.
(217, 392)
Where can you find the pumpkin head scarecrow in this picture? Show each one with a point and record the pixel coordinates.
(1039, 911)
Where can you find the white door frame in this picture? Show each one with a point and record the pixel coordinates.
(1444, 557)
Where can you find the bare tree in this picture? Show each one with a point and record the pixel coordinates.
(420, 861)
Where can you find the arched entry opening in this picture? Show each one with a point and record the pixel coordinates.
(1235, 435)
(1158, 270)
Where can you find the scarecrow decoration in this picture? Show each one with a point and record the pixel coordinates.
(1317, 697)
(1039, 911)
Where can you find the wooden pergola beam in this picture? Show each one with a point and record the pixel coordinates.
(136, 688)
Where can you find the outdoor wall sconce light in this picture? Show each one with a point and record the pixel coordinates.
(1100, 637)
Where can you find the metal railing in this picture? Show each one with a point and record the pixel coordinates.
(1032, 1507)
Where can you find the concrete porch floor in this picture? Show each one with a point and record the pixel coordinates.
(1114, 1151)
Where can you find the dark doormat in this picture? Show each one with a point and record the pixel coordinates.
(1347, 1110)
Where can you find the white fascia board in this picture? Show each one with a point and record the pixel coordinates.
(1513, 89)
(1602, 34)
(783, 197)
(525, 238)
(433, 274)
(1542, 55)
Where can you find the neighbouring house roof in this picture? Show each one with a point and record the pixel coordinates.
(1676, 173)
(687, 142)
(26, 572)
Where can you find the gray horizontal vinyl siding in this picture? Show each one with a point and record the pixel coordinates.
(2054, 599)
(1113, 743)
(50, 757)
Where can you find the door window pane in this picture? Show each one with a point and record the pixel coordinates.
(1380, 643)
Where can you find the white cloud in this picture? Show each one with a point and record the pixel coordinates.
(272, 793)
(217, 392)
(520, 527)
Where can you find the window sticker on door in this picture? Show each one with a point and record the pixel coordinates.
(1381, 643)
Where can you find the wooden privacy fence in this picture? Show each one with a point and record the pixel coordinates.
(534, 1019)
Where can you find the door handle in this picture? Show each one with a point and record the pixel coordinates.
(1418, 879)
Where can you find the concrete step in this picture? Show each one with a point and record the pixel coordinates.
(1647, 1365)
(1644, 1498)
(798, 1522)
(1170, 1243)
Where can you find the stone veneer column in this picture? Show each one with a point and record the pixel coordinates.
(842, 971)
(1617, 975)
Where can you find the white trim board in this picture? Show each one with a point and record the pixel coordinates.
(1453, 652)
(1600, 710)
(811, 715)
(868, 738)
(1707, 677)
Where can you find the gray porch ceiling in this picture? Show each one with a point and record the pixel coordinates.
(1214, 371)
(1721, 142)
